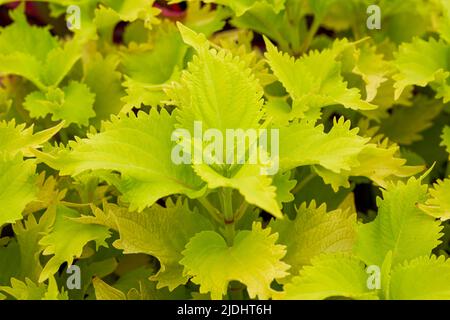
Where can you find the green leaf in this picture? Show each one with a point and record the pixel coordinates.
(136, 285)
(213, 264)
(444, 21)
(17, 187)
(405, 124)
(160, 232)
(38, 56)
(205, 92)
(422, 62)
(15, 139)
(104, 81)
(254, 186)
(438, 205)
(314, 81)
(103, 291)
(399, 227)
(73, 104)
(303, 144)
(149, 68)
(424, 278)
(373, 69)
(240, 43)
(242, 6)
(320, 7)
(9, 260)
(60, 61)
(131, 10)
(315, 231)
(262, 19)
(46, 196)
(283, 184)
(28, 290)
(28, 233)
(66, 239)
(330, 275)
(377, 161)
(139, 147)
(204, 18)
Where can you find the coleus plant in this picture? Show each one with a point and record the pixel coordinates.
(87, 176)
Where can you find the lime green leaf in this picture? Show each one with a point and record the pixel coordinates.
(66, 240)
(438, 205)
(444, 21)
(386, 269)
(15, 139)
(314, 81)
(28, 234)
(305, 144)
(373, 69)
(240, 43)
(315, 231)
(47, 194)
(242, 6)
(381, 164)
(131, 10)
(213, 264)
(283, 185)
(424, 278)
(262, 18)
(38, 56)
(205, 19)
(149, 68)
(35, 40)
(72, 103)
(17, 187)
(378, 162)
(279, 111)
(60, 61)
(139, 147)
(29, 290)
(160, 232)
(103, 291)
(111, 12)
(254, 186)
(206, 93)
(330, 275)
(104, 81)
(420, 63)
(53, 291)
(399, 227)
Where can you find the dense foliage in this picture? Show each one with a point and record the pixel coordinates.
(357, 207)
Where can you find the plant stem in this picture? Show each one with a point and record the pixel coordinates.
(227, 202)
(241, 211)
(236, 291)
(303, 183)
(311, 33)
(211, 209)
